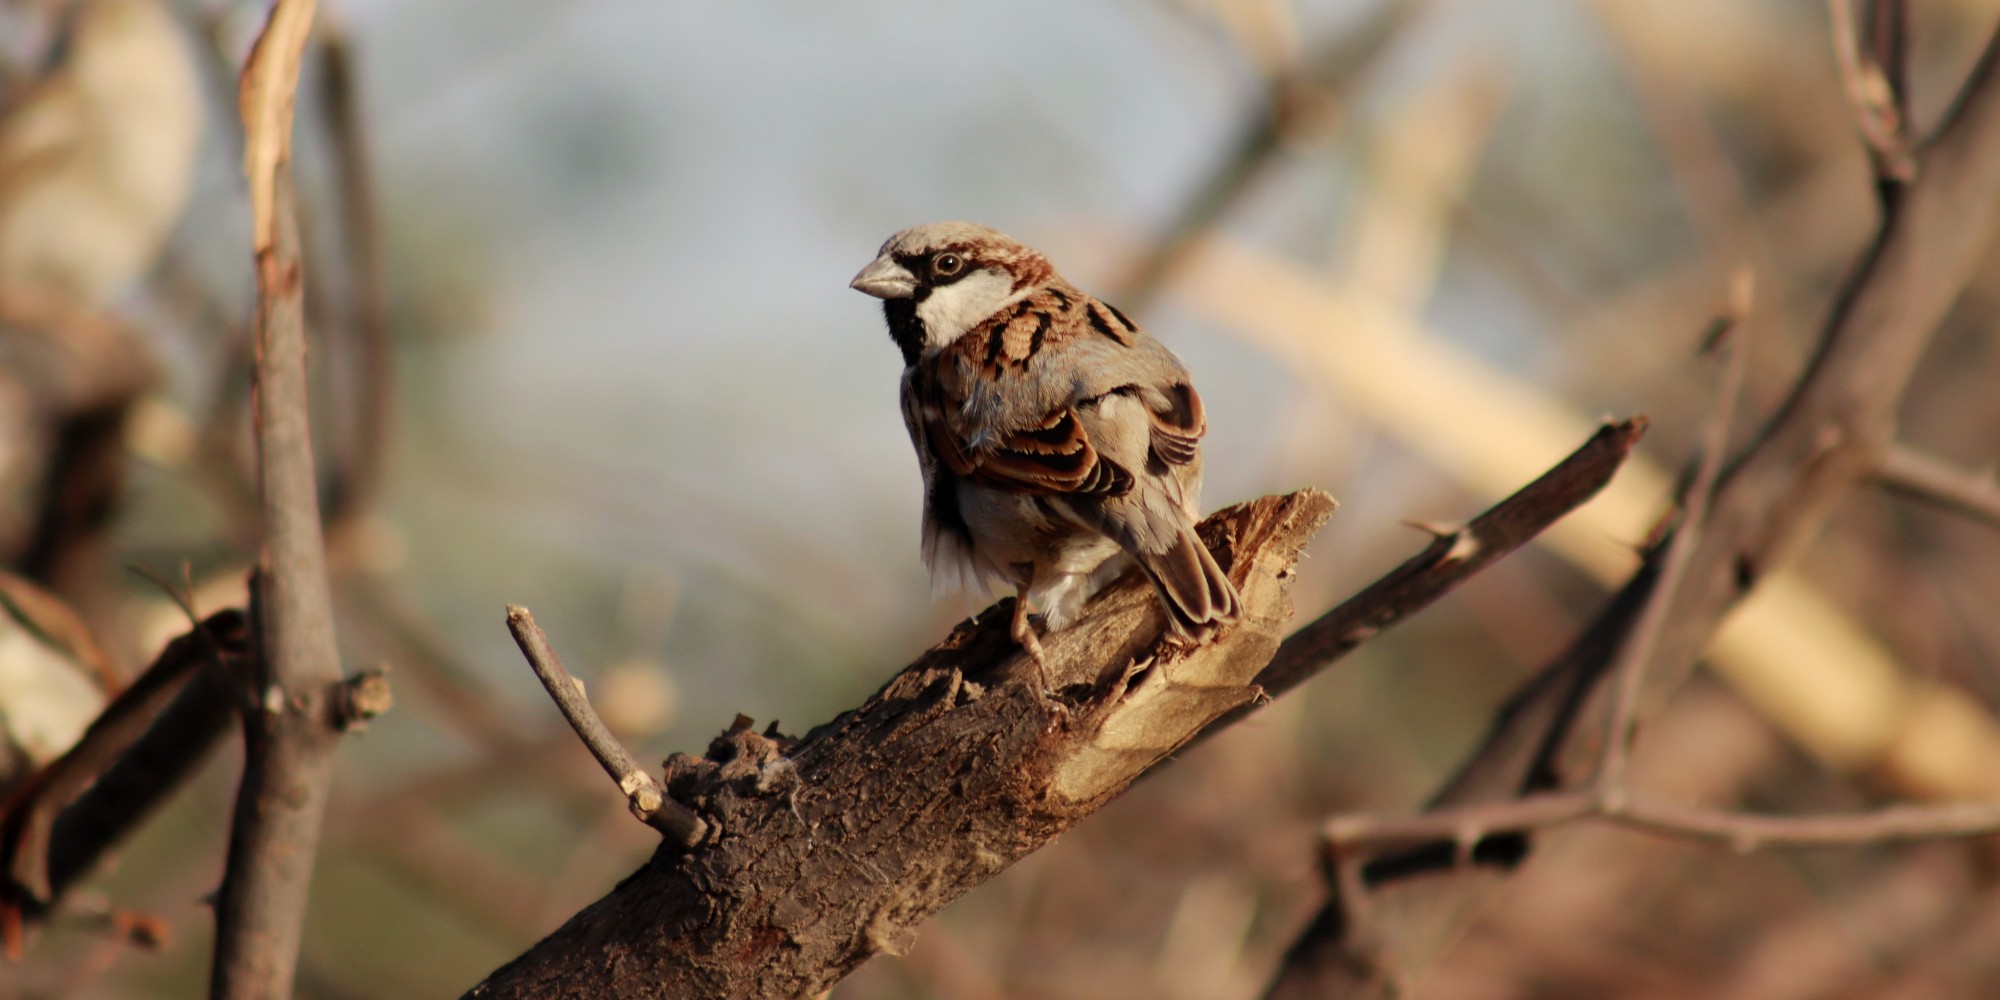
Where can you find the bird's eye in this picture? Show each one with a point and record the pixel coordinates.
(947, 264)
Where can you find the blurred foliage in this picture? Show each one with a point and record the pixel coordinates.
(632, 392)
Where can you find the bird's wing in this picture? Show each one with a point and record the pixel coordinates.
(1178, 422)
(1001, 406)
(1052, 455)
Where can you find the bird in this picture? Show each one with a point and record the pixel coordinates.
(1059, 442)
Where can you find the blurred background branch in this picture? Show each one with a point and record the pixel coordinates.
(1823, 443)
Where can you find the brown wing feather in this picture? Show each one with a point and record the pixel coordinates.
(1052, 457)
(1177, 430)
(1055, 457)
(1199, 595)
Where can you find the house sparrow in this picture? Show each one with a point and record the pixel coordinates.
(1059, 443)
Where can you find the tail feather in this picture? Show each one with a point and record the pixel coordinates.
(1197, 593)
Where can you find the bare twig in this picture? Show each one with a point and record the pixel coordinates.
(360, 698)
(1629, 671)
(1887, 39)
(53, 623)
(649, 802)
(1974, 494)
(291, 735)
(1467, 825)
(1873, 80)
(353, 480)
(1450, 559)
(181, 592)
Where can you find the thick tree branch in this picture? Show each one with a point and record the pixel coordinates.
(834, 849)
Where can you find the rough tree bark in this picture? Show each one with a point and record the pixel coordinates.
(833, 849)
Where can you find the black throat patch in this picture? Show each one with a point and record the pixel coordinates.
(905, 328)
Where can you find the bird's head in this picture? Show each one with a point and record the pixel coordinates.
(939, 281)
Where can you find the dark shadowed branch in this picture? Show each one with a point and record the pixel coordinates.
(140, 748)
(356, 473)
(1609, 798)
(90, 370)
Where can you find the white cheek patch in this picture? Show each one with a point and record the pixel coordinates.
(948, 312)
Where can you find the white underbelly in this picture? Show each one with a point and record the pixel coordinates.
(1013, 530)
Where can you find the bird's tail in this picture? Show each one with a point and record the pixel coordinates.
(1197, 593)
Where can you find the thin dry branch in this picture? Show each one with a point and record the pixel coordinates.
(1927, 477)
(649, 802)
(1629, 672)
(1310, 98)
(292, 732)
(1469, 825)
(356, 476)
(1452, 558)
(1872, 77)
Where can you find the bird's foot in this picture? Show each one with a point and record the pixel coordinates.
(1023, 634)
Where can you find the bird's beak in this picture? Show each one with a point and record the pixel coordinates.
(885, 279)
